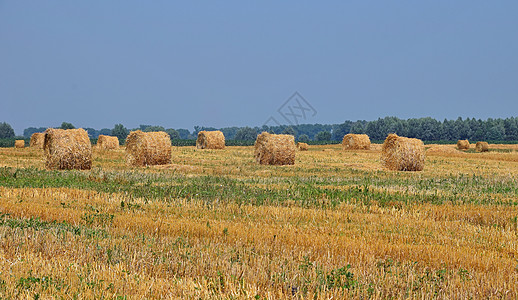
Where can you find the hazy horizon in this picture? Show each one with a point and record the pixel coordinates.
(96, 64)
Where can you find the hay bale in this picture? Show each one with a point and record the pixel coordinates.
(402, 154)
(19, 144)
(356, 142)
(275, 149)
(463, 144)
(106, 142)
(482, 146)
(302, 146)
(37, 140)
(210, 140)
(67, 149)
(148, 148)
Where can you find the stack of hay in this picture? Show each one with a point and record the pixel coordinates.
(37, 140)
(463, 144)
(106, 142)
(402, 154)
(302, 146)
(275, 149)
(67, 149)
(19, 144)
(210, 140)
(482, 146)
(148, 148)
(356, 142)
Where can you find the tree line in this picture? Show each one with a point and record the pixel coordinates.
(427, 129)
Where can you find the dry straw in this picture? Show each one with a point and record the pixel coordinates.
(463, 144)
(19, 144)
(67, 149)
(148, 148)
(402, 154)
(37, 140)
(106, 142)
(210, 140)
(482, 146)
(356, 142)
(275, 149)
(443, 149)
(302, 146)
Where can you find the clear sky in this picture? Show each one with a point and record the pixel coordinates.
(234, 63)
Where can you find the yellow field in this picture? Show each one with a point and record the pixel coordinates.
(214, 224)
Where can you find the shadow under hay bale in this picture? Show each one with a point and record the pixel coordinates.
(210, 140)
(275, 149)
(463, 144)
(19, 144)
(356, 142)
(37, 140)
(148, 148)
(482, 147)
(67, 149)
(106, 142)
(302, 146)
(402, 154)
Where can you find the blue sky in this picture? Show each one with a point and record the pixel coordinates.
(234, 63)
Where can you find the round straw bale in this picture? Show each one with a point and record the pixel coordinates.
(402, 154)
(19, 144)
(356, 142)
(148, 148)
(482, 146)
(275, 149)
(106, 142)
(302, 146)
(37, 140)
(210, 140)
(67, 149)
(463, 144)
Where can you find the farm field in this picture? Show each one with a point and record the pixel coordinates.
(215, 224)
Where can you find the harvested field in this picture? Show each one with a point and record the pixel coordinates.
(216, 224)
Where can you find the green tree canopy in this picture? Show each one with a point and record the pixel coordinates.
(120, 132)
(323, 136)
(6, 131)
(246, 134)
(66, 125)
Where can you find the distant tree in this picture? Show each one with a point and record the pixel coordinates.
(28, 132)
(6, 131)
(154, 128)
(92, 133)
(105, 131)
(184, 134)
(246, 134)
(340, 130)
(323, 136)
(66, 125)
(496, 133)
(289, 130)
(173, 134)
(120, 132)
(303, 138)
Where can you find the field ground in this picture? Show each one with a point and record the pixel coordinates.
(214, 224)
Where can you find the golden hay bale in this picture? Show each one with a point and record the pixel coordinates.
(67, 149)
(37, 140)
(302, 146)
(463, 144)
(148, 148)
(210, 140)
(19, 144)
(482, 146)
(106, 142)
(275, 149)
(402, 154)
(356, 142)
